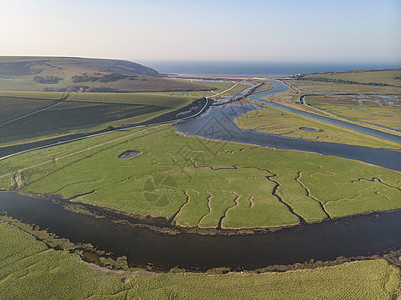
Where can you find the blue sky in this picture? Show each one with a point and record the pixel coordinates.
(287, 30)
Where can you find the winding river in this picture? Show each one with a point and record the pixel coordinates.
(352, 236)
(218, 124)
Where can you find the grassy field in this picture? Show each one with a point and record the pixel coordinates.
(204, 183)
(277, 121)
(381, 81)
(387, 77)
(30, 270)
(373, 109)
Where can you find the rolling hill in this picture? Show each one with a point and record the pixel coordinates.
(73, 74)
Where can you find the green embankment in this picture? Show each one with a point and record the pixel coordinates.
(240, 186)
(30, 270)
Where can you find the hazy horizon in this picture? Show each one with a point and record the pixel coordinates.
(257, 68)
(281, 31)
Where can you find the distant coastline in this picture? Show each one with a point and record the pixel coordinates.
(252, 68)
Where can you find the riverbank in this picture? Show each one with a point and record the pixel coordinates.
(109, 238)
(69, 278)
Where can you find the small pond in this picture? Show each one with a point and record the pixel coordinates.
(128, 154)
(308, 129)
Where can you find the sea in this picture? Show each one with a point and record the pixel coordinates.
(256, 68)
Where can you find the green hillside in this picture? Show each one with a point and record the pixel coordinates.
(73, 74)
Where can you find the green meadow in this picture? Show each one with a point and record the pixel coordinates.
(31, 270)
(204, 183)
(374, 109)
(372, 77)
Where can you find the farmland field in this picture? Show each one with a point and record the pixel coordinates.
(27, 116)
(33, 115)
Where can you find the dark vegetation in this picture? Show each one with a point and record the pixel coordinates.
(85, 88)
(101, 77)
(72, 114)
(47, 79)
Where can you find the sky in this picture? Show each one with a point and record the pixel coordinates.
(225, 30)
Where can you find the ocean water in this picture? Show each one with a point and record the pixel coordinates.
(261, 68)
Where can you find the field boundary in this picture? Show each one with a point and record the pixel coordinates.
(106, 132)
